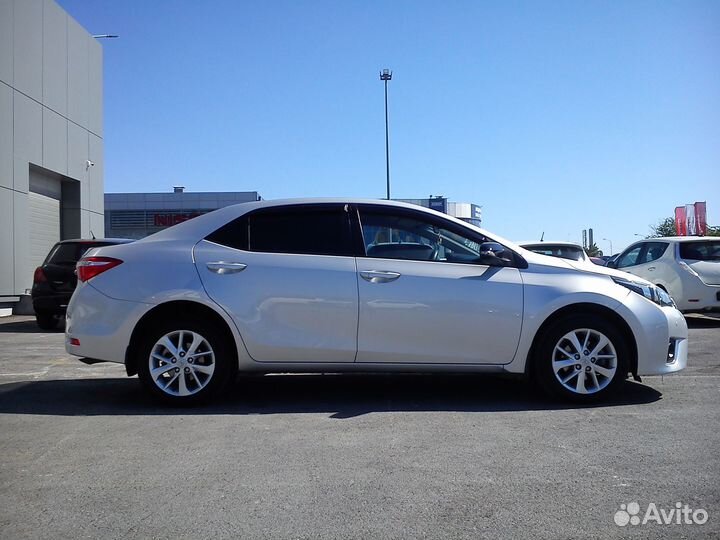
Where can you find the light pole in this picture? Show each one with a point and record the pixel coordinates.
(611, 249)
(385, 76)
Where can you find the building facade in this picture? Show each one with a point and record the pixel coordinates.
(51, 137)
(136, 215)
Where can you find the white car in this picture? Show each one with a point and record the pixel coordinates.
(563, 250)
(687, 267)
(361, 285)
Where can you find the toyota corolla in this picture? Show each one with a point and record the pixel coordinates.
(361, 285)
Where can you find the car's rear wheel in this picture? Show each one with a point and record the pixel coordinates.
(46, 321)
(185, 362)
(583, 358)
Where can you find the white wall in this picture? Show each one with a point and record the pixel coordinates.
(50, 117)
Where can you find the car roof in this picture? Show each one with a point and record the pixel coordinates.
(684, 238)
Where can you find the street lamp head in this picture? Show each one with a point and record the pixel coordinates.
(386, 75)
(105, 36)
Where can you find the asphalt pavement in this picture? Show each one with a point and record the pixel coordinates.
(85, 454)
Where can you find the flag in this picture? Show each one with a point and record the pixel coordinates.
(680, 221)
(691, 229)
(701, 218)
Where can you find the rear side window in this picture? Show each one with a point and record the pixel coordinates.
(700, 251)
(654, 251)
(309, 231)
(564, 252)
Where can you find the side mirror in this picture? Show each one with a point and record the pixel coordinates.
(493, 254)
(611, 264)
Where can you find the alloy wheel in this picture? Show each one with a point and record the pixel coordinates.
(584, 361)
(181, 363)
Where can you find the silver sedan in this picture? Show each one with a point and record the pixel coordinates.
(361, 285)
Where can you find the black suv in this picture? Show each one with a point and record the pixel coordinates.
(55, 281)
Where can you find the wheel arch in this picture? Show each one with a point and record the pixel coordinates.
(584, 308)
(175, 308)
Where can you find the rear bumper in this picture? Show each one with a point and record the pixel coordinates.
(698, 296)
(55, 304)
(99, 327)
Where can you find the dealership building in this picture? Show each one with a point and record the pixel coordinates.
(51, 138)
(136, 215)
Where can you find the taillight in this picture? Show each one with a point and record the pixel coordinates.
(89, 267)
(39, 275)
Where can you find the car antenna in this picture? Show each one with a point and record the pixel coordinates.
(542, 236)
(92, 234)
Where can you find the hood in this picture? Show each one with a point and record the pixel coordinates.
(605, 271)
(579, 266)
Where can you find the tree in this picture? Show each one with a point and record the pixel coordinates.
(713, 231)
(665, 227)
(593, 251)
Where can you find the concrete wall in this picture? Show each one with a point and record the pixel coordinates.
(51, 119)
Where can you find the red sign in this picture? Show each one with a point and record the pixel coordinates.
(168, 220)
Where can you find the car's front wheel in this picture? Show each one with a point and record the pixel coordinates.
(582, 358)
(185, 362)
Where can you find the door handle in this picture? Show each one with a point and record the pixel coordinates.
(651, 268)
(222, 267)
(379, 276)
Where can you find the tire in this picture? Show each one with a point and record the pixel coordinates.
(196, 372)
(46, 321)
(565, 372)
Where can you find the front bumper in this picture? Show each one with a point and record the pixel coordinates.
(655, 329)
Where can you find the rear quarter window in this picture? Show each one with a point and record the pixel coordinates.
(700, 251)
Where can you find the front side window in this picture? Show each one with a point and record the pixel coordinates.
(700, 251)
(630, 258)
(301, 230)
(400, 236)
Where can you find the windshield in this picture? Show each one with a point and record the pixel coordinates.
(700, 251)
(572, 253)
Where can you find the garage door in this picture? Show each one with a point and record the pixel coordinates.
(44, 213)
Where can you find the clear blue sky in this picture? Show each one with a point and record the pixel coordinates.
(555, 116)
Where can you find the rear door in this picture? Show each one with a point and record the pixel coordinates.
(287, 277)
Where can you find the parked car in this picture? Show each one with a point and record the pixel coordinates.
(54, 281)
(361, 285)
(563, 250)
(687, 267)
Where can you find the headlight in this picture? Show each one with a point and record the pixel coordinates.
(651, 292)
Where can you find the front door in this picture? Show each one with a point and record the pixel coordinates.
(425, 299)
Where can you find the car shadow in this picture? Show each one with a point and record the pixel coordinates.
(702, 321)
(28, 326)
(340, 395)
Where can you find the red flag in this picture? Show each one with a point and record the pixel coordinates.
(680, 222)
(701, 218)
